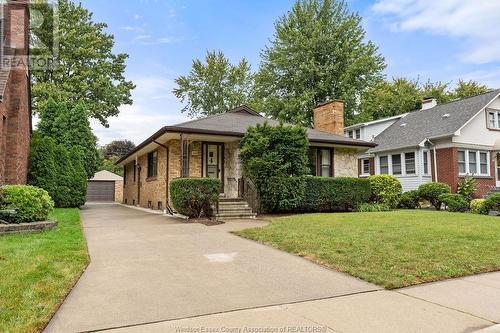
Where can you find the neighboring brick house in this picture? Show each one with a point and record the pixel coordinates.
(209, 147)
(443, 143)
(15, 110)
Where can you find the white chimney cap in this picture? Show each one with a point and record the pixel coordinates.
(429, 103)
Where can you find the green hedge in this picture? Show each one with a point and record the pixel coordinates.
(454, 202)
(477, 206)
(432, 192)
(410, 200)
(194, 197)
(31, 203)
(325, 194)
(492, 202)
(386, 190)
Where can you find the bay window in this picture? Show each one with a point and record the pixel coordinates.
(384, 165)
(396, 164)
(473, 162)
(410, 163)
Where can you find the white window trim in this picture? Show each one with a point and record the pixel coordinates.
(496, 118)
(403, 163)
(478, 163)
(363, 167)
(429, 166)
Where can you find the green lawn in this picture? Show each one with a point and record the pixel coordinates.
(391, 249)
(38, 270)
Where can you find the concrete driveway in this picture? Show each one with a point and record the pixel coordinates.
(148, 268)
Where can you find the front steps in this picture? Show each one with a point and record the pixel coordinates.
(232, 209)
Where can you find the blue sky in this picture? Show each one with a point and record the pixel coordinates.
(439, 40)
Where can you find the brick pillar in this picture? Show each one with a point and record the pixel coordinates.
(16, 99)
(329, 117)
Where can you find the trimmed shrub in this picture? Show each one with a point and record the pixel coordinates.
(467, 188)
(454, 202)
(409, 200)
(432, 191)
(477, 206)
(31, 203)
(372, 207)
(282, 194)
(386, 190)
(194, 197)
(325, 194)
(492, 202)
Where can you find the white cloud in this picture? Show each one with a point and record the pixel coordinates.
(154, 107)
(473, 21)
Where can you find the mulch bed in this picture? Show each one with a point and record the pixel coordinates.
(207, 222)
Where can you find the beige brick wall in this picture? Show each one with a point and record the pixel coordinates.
(119, 191)
(345, 162)
(329, 117)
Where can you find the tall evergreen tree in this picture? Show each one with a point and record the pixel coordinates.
(319, 51)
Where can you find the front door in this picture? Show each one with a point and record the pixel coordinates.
(213, 161)
(497, 169)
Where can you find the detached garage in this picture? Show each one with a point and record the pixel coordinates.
(105, 186)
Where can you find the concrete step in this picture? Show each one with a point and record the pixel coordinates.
(233, 204)
(235, 209)
(236, 215)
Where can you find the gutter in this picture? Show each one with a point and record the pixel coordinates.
(181, 130)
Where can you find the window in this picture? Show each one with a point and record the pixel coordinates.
(358, 134)
(135, 170)
(483, 163)
(366, 166)
(153, 164)
(185, 159)
(461, 162)
(325, 158)
(320, 162)
(410, 163)
(396, 164)
(494, 119)
(124, 174)
(426, 162)
(472, 162)
(351, 134)
(384, 165)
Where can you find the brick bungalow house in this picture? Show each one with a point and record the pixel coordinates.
(443, 143)
(15, 108)
(208, 147)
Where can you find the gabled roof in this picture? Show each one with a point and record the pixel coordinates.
(440, 121)
(235, 123)
(373, 122)
(105, 175)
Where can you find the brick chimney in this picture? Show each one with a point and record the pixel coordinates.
(329, 117)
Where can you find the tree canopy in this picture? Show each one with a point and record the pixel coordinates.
(319, 51)
(214, 86)
(401, 95)
(117, 148)
(88, 71)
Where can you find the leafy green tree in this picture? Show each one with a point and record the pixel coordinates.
(70, 127)
(390, 98)
(87, 69)
(468, 88)
(273, 157)
(214, 86)
(319, 51)
(436, 90)
(117, 148)
(109, 165)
